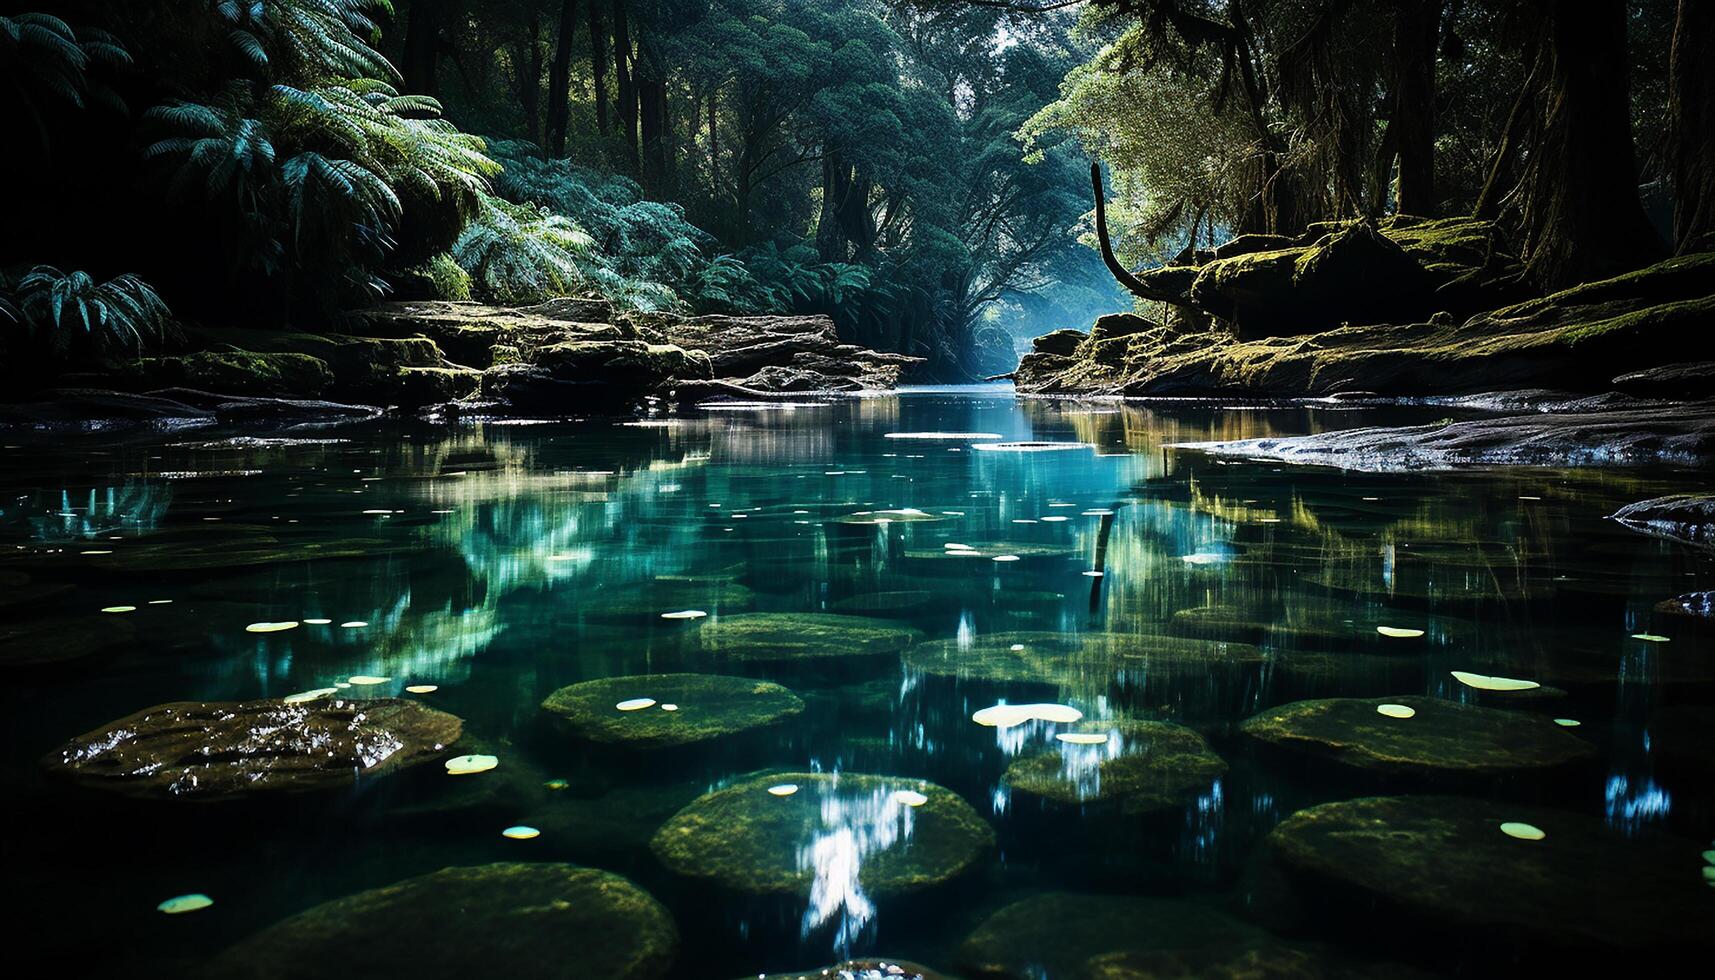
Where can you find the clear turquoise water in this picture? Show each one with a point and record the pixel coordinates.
(502, 562)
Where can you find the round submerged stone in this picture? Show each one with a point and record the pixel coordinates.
(216, 750)
(1441, 861)
(1442, 738)
(1051, 657)
(1142, 766)
(803, 636)
(58, 639)
(746, 838)
(904, 602)
(706, 706)
(546, 920)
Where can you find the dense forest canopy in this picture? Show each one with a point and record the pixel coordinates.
(917, 170)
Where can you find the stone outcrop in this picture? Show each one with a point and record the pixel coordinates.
(1688, 518)
(1332, 317)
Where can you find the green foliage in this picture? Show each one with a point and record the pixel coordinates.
(520, 253)
(46, 65)
(447, 279)
(72, 312)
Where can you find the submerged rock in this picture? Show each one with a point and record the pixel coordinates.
(1677, 434)
(1670, 381)
(220, 750)
(1696, 605)
(1143, 767)
(1443, 863)
(703, 707)
(1688, 518)
(802, 636)
(545, 920)
(1441, 738)
(36, 642)
(765, 835)
(1054, 657)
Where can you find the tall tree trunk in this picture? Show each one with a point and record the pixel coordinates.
(626, 90)
(1691, 118)
(526, 60)
(1582, 218)
(559, 80)
(422, 44)
(598, 66)
(1416, 33)
(651, 86)
(1519, 129)
(714, 143)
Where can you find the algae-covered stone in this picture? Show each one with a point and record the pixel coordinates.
(1056, 934)
(546, 920)
(1433, 861)
(749, 839)
(802, 636)
(1442, 738)
(218, 750)
(688, 708)
(61, 638)
(905, 602)
(650, 599)
(1052, 657)
(1144, 766)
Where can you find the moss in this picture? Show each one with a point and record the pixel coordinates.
(513, 920)
(747, 839)
(447, 279)
(1052, 657)
(1444, 738)
(1144, 767)
(706, 706)
(802, 636)
(237, 372)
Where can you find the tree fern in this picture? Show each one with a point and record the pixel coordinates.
(44, 63)
(309, 38)
(519, 253)
(70, 311)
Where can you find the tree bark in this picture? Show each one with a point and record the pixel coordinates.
(1582, 217)
(651, 87)
(422, 43)
(527, 76)
(626, 90)
(1417, 30)
(1691, 118)
(598, 66)
(1121, 274)
(714, 143)
(559, 80)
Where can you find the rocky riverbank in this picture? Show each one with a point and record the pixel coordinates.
(443, 358)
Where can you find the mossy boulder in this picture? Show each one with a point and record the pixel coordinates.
(748, 839)
(234, 371)
(802, 636)
(545, 920)
(703, 707)
(1061, 342)
(1443, 738)
(57, 639)
(1443, 863)
(1143, 767)
(222, 750)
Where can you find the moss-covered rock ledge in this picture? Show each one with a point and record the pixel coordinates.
(1402, 308)
(564, 356)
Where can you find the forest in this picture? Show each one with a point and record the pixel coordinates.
(918, 171)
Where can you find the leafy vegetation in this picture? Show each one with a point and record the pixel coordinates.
(73, 313)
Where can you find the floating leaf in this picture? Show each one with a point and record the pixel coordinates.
(271, 627)
(423, 688)
(1523, 831)
(1008, 715)
(185, 903)
(1567, 722)
(365, 680)
(1203, 558)
(909, 797)
(783, 789)
(317, 622)
(354, 624)
(465, 765)
(1082, 738)
(1005, 557)
(1396, 710)
(1483, 682)
(1399, 632)
(635, 704)
(1652, 637)
(304, 696)
(669, 707)
(119, 609)
(521, 832)
(557, 784)
(684, 614)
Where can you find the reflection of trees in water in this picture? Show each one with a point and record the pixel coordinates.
(85, 512)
